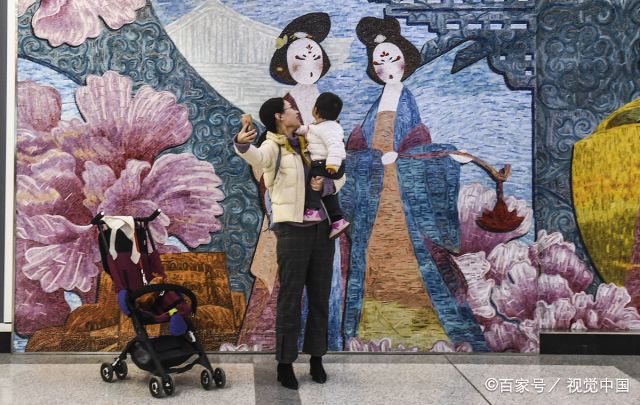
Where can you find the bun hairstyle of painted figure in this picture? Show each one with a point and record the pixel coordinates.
(299, 57)
(391, 57)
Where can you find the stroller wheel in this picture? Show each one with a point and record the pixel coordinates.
(121, 370)
(155, 387)
(167, 385)
(106, 372)
(206, 379)
(219, 377)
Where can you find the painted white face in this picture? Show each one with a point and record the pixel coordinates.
(388, 62)
(304, 59)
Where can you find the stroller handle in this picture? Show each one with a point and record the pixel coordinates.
(162, 287)
(96, 220)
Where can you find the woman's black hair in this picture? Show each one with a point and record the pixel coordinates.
(317, 26)
(268, 112)
(368, 30)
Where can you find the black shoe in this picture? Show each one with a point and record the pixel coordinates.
(317, 371)
(286, 376)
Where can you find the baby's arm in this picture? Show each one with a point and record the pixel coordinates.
(302, 130)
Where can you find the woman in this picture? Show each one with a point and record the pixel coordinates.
(304, 250)
(299, 60)
(401, 196)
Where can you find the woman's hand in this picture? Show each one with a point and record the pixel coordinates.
(245, 136)
(316, 183)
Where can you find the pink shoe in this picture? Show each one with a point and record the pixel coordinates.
(311, 215)
(338, 228)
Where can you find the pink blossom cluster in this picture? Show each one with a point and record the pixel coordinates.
(73, 21)
(67, 171)
(516, 290)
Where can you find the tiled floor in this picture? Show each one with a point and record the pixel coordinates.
(353, 379)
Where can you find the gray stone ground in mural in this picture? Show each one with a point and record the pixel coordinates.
(353, 378)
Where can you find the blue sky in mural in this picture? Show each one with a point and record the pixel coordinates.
(170, 10)
(344, 15)
(475, 111)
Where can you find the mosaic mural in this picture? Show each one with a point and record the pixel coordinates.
(493, 157)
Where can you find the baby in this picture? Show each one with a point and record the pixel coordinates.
(325, 138)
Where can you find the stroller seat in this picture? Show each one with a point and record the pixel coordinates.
(134, 277)
(130, 257)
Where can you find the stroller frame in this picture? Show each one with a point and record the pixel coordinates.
(161, 382)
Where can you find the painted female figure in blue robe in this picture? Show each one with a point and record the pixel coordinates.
(401, 196)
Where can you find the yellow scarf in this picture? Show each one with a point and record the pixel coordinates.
(303, 149)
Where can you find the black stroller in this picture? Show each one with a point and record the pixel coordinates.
(161, 355)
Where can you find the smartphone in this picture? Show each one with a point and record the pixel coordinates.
(247, 121)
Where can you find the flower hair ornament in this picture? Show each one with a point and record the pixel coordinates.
(283, 40)
(379, 39)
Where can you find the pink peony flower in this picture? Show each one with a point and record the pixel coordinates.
(557, 315)
(555, 256)
(69, 171)
(502, 336)
(516, 295)
(503, 256)
(39, 111)
(34, 308)
(473, 200)
(611, 306)
(119, 127)
(553, 288)
(609, 311)
(516, 290)
(73, 21)
(479, 287)
(184, 187)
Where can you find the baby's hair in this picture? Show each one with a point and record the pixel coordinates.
(329, 106)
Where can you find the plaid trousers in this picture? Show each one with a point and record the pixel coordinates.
(305, 258)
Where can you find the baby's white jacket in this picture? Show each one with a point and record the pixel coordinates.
(326, 142)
